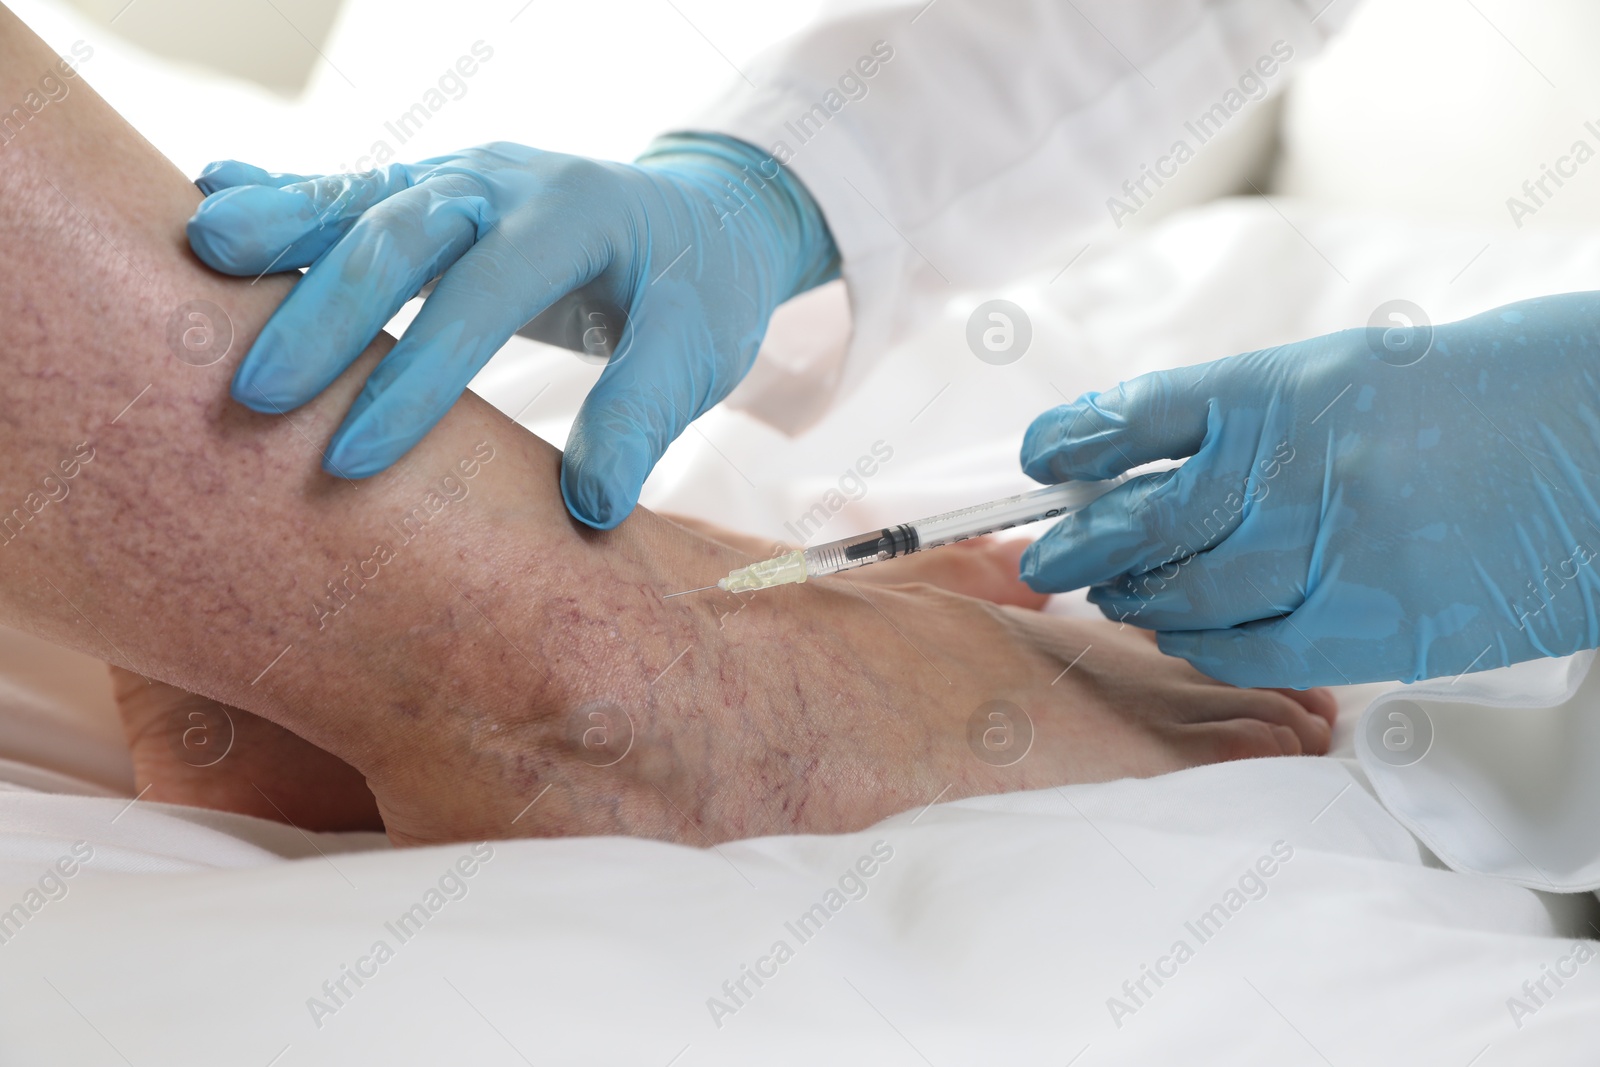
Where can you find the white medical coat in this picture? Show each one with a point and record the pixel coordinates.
(953, 144)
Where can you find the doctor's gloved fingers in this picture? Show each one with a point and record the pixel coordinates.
(470, 315)
(630, 417)
(1103, 539)
(226, 173)
(1237, 581)
(1271, 653)
(251, 228)
(1100, 435)
(1145, 523)
(336, 310)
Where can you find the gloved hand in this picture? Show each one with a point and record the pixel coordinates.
(688, 250)
(1347, 514)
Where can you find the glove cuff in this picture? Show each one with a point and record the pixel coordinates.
(756, 188)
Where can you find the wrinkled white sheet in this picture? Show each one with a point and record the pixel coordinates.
(992, 931)
(1496, 771)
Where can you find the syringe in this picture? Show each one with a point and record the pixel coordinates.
(863, 549)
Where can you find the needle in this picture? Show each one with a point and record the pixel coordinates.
(702, 589)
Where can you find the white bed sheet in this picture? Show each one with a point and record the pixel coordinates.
(996, 931)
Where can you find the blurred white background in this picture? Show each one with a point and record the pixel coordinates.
(309, 84)
(1435, 107)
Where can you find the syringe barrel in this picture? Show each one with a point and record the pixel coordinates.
(826, 559)
(858, 551)
(1047, 503)
(862, 549)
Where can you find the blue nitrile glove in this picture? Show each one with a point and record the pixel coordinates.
(1346, 514)
(695, 244)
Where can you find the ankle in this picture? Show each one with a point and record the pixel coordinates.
(565, 678)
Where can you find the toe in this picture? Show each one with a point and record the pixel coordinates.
(1319, 702)
(1236, 739)
(1218, 703)
(1288, 741)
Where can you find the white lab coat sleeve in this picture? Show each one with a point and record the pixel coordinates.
(956, 144)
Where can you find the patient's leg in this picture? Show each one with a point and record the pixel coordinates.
(191, 750)
(445, 628)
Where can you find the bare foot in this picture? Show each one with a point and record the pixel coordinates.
(194, 751)
(820, 707)
(816, 708)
